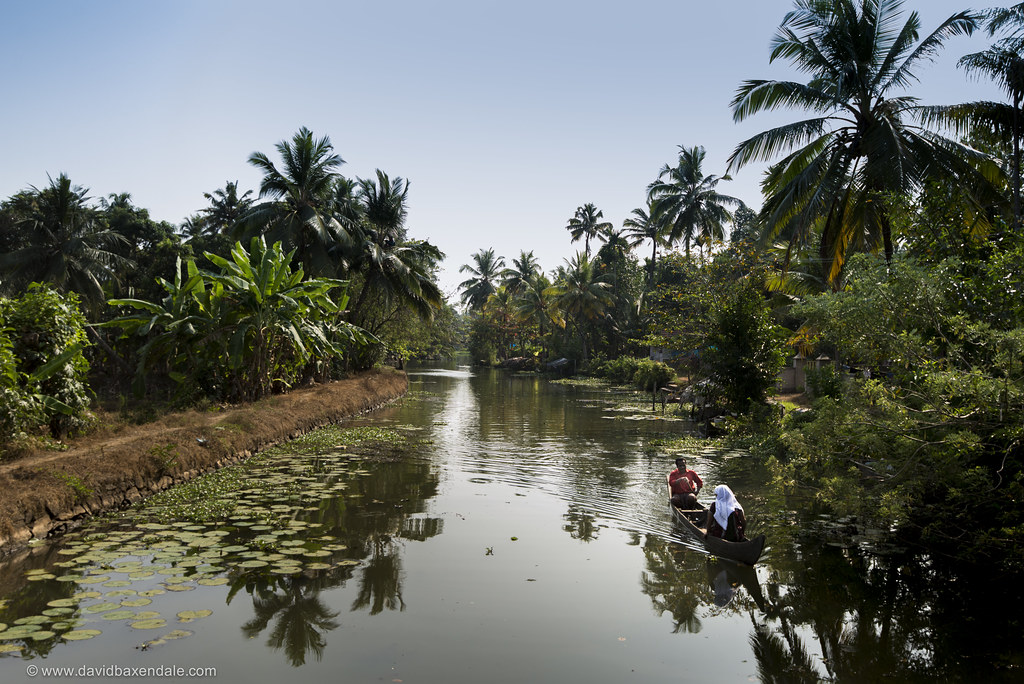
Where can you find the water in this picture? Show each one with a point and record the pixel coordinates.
(525, 538)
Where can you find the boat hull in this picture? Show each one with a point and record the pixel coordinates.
(748, 551)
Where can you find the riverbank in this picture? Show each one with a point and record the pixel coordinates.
(48, 493)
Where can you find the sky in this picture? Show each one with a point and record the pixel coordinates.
(504, 116)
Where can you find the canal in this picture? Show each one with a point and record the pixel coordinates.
(515, 530)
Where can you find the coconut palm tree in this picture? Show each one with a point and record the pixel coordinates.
(66, 246)
(517, 278)
(1004, 64)
(686, 201)
(582, 294)
(642, 226)
(859, 144)
(535, 303)
(483, 283)
(299, 210)
(226, 208)
(392, 272)
(586, 224)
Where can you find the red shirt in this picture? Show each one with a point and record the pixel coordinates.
(687, 482)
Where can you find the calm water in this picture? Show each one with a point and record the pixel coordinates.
(527, 538)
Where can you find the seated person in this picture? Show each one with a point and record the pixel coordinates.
(725, 517)
(685, 485)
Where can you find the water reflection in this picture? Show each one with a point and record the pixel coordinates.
(407, 534)
(300, 618)
(580, 523)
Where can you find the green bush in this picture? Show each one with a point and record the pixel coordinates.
(745, 348)
(650, 375)
(621, 370)
(825, 382)
(17, 408)
(46, 339)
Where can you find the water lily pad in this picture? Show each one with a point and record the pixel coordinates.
(151, 592)
(318, 566)
(190, 615)
(141, 574)
(147, 614)
(19, 632)
(92, 580)
(32, 620)
(285, 569)
(253, 564)
(155, 623)
(57, 612)
(63, 603)
(119, 615)
(10, 648)
(177, 634)
(213, 581)
(136, 602)
(177, 580)
(37, 578)
(180, 587)
(68, 578)
(87, 595)
(81, 634)
(102, 607)
(121, 592)
(65, 625)
(42, 635)
(117, 583)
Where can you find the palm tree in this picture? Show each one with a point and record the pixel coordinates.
(67, 245)
(582, 294)
(1004, 64)
(396, 271)
(642, 226)
(685, 200)
(586, 224)
(1007, 18)
(535, 303)
(858, 146)
(483, 282)
(226, 207)
(299, 212)
(517, 278)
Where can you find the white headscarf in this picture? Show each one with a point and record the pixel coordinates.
(725, 504)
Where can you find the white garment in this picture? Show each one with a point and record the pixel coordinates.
(725, 504)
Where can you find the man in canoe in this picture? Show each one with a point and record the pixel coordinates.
(725, 517)
(685, 485)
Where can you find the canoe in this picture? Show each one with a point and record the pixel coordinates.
(748, 551)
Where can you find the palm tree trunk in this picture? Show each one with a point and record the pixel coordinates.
(1016, 162)
(654, 260)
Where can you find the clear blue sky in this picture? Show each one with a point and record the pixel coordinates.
(505, 116)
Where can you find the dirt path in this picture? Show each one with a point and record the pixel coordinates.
(46, 493)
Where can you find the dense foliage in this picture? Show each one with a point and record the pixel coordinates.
(42, 366)
(885, 250)
(237, 332)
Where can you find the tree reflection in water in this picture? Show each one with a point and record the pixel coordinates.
(580, 523)
(373, 532)
(674, 586)
(301, 620)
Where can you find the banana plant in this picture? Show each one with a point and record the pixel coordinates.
(240, 329)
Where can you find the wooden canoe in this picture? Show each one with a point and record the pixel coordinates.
(748, 551)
